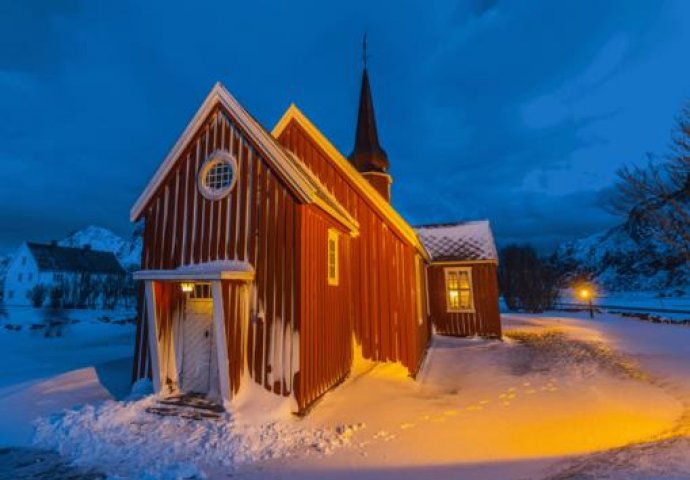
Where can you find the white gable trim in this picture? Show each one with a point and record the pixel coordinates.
(267, 144)
(379, 203)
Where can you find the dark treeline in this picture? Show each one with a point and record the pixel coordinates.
(82, 290)
(528, 282)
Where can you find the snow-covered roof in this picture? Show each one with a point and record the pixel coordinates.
(215, 270)
(54, 258)
(464, 241)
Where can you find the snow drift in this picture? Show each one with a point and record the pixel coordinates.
(123, 439)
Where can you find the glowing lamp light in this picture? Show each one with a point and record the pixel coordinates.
(453, 294)
(187, 287)
(585, 293)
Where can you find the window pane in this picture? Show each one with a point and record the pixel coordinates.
(465, 300)
(464, 279)
(219, 176)
(459, 289)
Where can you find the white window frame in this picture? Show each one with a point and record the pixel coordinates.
(334, 237)
(219, 156)
(449, 308)
(419, 278)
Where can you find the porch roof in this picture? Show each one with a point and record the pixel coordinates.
(216, 270)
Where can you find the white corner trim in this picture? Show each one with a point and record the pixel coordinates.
(153, 335)
(221, 340)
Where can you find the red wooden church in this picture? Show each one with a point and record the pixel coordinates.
(267, 255)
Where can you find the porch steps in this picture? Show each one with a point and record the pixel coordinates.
(191, 406)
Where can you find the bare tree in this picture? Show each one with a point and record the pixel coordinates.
(658, 193)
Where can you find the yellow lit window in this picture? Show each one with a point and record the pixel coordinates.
(459, 296)
(333, 257)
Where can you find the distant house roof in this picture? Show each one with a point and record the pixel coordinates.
(464, 241)
(54, 258)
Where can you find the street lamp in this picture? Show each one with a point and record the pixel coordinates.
(586, 293)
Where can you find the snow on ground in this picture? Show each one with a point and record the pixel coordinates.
(644, 300)
(121, 438)
(562, 397)
(663, 351)
(45, 368)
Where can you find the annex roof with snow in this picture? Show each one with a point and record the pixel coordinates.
(465, 241)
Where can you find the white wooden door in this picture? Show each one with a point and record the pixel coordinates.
(199, 365)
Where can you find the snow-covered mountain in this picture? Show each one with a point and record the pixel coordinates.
(624, 258)
(127, 251)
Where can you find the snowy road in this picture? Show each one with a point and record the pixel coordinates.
(561, 398)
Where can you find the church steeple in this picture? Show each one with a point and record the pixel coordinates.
(368, 156)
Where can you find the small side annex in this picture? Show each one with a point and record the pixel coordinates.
(463, 283)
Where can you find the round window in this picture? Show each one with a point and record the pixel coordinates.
(217, 176)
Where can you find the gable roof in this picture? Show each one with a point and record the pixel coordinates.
(362, 184)
(466, 241)
(307, 188)
(53, 258)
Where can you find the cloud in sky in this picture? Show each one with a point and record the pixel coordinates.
(515, 111)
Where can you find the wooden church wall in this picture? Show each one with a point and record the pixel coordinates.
(252, 224)
(383, 296)
(485, 321)
(325, 310)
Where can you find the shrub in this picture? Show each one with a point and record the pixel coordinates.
(37, 295)
(56, 296)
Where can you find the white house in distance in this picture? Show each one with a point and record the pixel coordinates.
(48, 264)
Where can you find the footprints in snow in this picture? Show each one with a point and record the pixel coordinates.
(504, 398)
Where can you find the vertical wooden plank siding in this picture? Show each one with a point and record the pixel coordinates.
(236, 311)
(485, 321)
(324, 310)
(252, 224)
(383, 312)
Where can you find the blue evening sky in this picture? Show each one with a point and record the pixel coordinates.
(513, 110)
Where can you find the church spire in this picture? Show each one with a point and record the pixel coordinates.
(367, 156)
